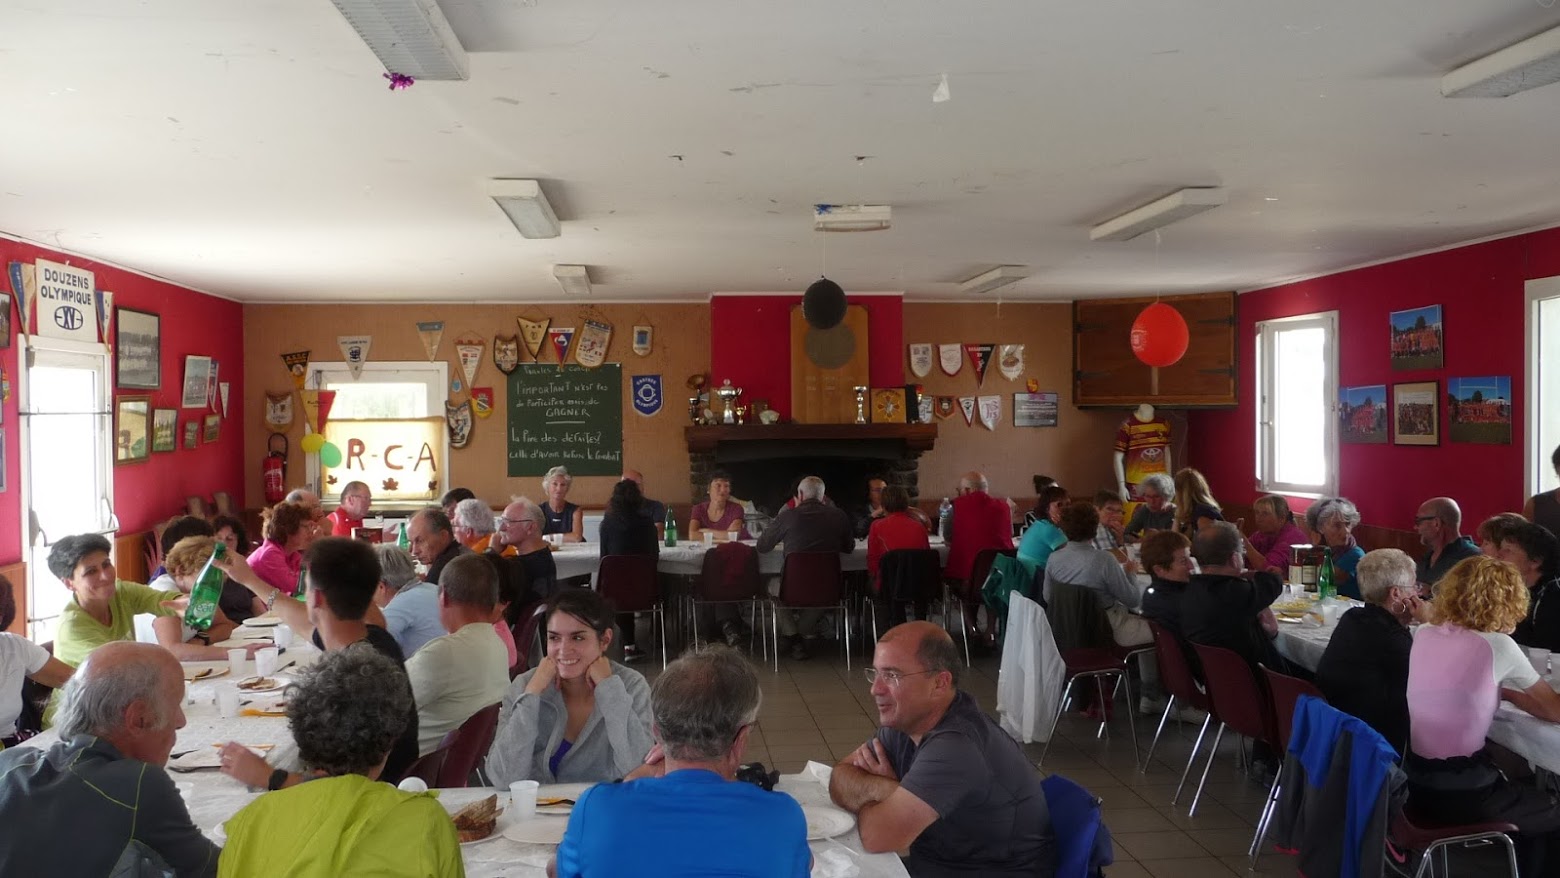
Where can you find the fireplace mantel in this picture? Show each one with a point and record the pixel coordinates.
(916, 437)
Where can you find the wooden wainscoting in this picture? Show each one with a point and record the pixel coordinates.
(17, 574)
(130, 556)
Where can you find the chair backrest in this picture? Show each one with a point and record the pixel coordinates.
(1175, 672)
(980, 568)
(527, 622)
(35, 700)
(910, 575)
(811, 579)
(729, 573)
(629, 582)
(1285, 691)
(1237, 698)
(1077, 619)
(466, 746)
(1076, 825)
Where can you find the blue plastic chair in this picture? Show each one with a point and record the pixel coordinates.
(1083, 846)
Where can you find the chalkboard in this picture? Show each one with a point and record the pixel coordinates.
(571, 416)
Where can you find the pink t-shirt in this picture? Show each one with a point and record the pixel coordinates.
(508, 637)
(1454, 680)
(277, 566)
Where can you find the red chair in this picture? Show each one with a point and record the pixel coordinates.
(1405, 833)
(1283, 692)
(526, 639)
(1089, 659)
(451, 765)
(911, 576)
(1175, 675)
(729, 575)
(811, 581)
(1238, 703)
(631, 583)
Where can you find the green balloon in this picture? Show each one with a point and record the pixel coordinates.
(330, 455)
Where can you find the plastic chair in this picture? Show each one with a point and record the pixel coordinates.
(912, 576)
(35, 701)
(1076, 824)
(1238, 703)
(969, 592)
(528, 622)
(1096, 663)
(810, 581)
(1175, 675)
(450, 766)
(1283, 692)
(631, 583)
(1407, 834)
(729, 575)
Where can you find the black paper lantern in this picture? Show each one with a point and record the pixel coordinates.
(823, 305)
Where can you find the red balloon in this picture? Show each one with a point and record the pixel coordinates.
(1159, 335)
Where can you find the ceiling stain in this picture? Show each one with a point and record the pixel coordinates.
(754, 86)
(510, 101)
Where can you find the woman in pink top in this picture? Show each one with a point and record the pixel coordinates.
(288, 527)
(1268, 548)
(719, 513)
(1459, 670)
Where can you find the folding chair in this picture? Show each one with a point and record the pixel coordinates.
(811, 581)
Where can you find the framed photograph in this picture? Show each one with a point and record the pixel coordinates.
(1478, 410)
(197, 382)
(5, 327)
(132, 429)
(1416, 339)
(1035, 409)
(1362, 415)
(1416, 413)
(213, 428)
(137, 349)
(192, 434)
(165, 429)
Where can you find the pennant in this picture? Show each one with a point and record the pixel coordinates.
(105, 315)
(354, 352)
(642, 336)
(431, 333)
(647, 394)
(297, 364)
(560, 341)
(5, 320)
(927, 405)
(1010, 360)
(967, 405)
(591, 351)
(990, 411)
(980, 358)
(950, 357)
(921, 360)
(470, 353)
(211, 385)
(458, 417)
(506, 353)
(222, 388)
(482, 401)
(945, 406)
(278, 410)
(533, 333)
(316, 408)
(23, 288)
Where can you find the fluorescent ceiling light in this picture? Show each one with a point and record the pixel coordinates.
(1529, 64)
(1000, 276)
(526, 206)
(851, 217)
(410, 37)
(1155, 214)
(574, 279)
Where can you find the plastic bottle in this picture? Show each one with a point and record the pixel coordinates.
(202, 609)
(671, 529)
(944, 515)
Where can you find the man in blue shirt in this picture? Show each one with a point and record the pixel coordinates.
(695, 819)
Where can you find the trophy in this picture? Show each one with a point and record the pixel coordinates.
(728, 396)
(693, 411)
(861, 403)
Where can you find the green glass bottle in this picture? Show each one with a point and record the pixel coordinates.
(671, 528)
(202, 608)
(1325, 589)
(303, 584)
(402, 540)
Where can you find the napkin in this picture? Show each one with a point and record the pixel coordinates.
(819, 772)
(836, 862)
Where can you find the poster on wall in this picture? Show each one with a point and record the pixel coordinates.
(1416, 338)
(197, 380)
(1479, 410)
(67, 302)
(1362, 415)
(138, 350)
(1035, 409)
(1416, 413)
(5, 320)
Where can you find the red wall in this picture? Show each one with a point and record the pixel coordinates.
(1480, 290)
(192, 323)
(750, 343)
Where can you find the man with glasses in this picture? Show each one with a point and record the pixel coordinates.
(940, 776)
(1439, 524)
(520, 527)
(356, 497)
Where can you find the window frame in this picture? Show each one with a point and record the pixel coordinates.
(1535, 458)
(1266, 331)
(435, 373)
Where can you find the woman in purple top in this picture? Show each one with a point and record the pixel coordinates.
(1268, 548)
(718, 513)
(288, 528)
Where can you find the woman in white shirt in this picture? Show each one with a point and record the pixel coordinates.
(20, 657)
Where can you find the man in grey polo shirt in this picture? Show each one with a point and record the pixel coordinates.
(941, 777)
(98, 802)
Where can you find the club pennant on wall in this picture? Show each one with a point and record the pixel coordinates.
(278, 410)
(354, 351)
(482, 401)
(316, 408)
(950, 357)
(222, 388)
(945, 406)
(642, 336)
(980, 358)
(920, 360)
(591, 351)
(470, 353)
(105, 315)
(458, 417)
(506, 353)
(24, 286)
(297, 364)
(926, 405)
(1010, 360)
(990, 411)
(967, 405)
(431, 332)
(647, 394)
(561, 337)
(533, 333)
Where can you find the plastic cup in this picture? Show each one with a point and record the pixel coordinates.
(227, 700)
(1540, 660)
(236, 659)
(266, 660)
(283, 636)
(522, 798)
(709, 538)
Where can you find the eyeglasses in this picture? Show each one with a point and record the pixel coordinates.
(514, 520)
(1421, 519)
(892, 678)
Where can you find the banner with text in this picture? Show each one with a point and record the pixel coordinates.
(398, 459)
(67, 302)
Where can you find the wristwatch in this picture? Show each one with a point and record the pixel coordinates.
(278, 779)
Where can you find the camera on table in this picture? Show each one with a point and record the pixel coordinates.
(754, 773)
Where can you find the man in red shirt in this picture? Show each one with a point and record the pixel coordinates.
(979, 521)
(355, 500)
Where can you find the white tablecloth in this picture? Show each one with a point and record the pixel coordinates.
(687, 558)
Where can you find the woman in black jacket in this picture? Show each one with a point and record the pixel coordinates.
(626, 529)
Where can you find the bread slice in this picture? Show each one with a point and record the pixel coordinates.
(477, 820)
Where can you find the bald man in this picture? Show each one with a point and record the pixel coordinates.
(940, 776)
(98, 802)
(1439, 523)
(979, 521)
(654, 510)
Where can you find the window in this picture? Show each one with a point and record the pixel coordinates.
(1297, 386)
(382, 391)
(1543, 383)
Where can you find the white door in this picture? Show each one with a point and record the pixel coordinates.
(67, 463)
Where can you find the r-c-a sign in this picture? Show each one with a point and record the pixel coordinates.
(67, 302)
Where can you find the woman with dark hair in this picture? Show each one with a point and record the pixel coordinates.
(452, 498)
(897, 529)
(1493, 531)
(20, 657)
(231, 533)
(1544, 509)
(718, 513)
(1045, 535)
(289, 528)
(577, 717)
(1535, 552)
(626, 530)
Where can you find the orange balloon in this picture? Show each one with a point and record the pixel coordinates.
(1160, 336)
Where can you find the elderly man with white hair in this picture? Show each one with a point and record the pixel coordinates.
(474, 527)
(811, 526)
(1157, 509)
(98, 802)
(520, 527)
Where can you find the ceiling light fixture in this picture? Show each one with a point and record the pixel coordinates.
(1156, 214)
(1520, 66)
(526, 206)
(410, 37)
(851, 217)
(574, 279)
(1000, 276)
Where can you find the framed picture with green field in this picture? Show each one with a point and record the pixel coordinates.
(1416, 339)
(1479, 410)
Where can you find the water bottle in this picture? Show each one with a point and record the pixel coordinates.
(402, 541)
(944, 515)
(1325, 589)
(671, 529)
(202, 608)
(303, 584)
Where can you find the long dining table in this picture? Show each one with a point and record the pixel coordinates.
(687, 557)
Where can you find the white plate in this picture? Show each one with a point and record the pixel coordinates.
(826, 822)
(261, 622)
(193, 671)
(498, 831)
(540, 829)
(281, 683)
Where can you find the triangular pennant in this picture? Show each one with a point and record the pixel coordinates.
(533, 333)
(105, 315)
(920, 360)
(950, 357)
(990, 411)
(591, 351)
(980, 358)
(967, 405)
(431, 332)
(470, 354)
(316, 408)
(1010, 360)
(506, 352)
(223, 389)
(354, 350)
(297, 364)
(561, 337)
(945, 406)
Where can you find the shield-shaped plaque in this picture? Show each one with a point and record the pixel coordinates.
(506, 353)
(459, 419)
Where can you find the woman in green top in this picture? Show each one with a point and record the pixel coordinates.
(103, 609)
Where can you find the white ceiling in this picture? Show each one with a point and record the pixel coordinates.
(252, 149)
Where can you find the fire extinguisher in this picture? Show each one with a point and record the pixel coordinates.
(273, 470)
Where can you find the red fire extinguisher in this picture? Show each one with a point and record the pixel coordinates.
(273, 470)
